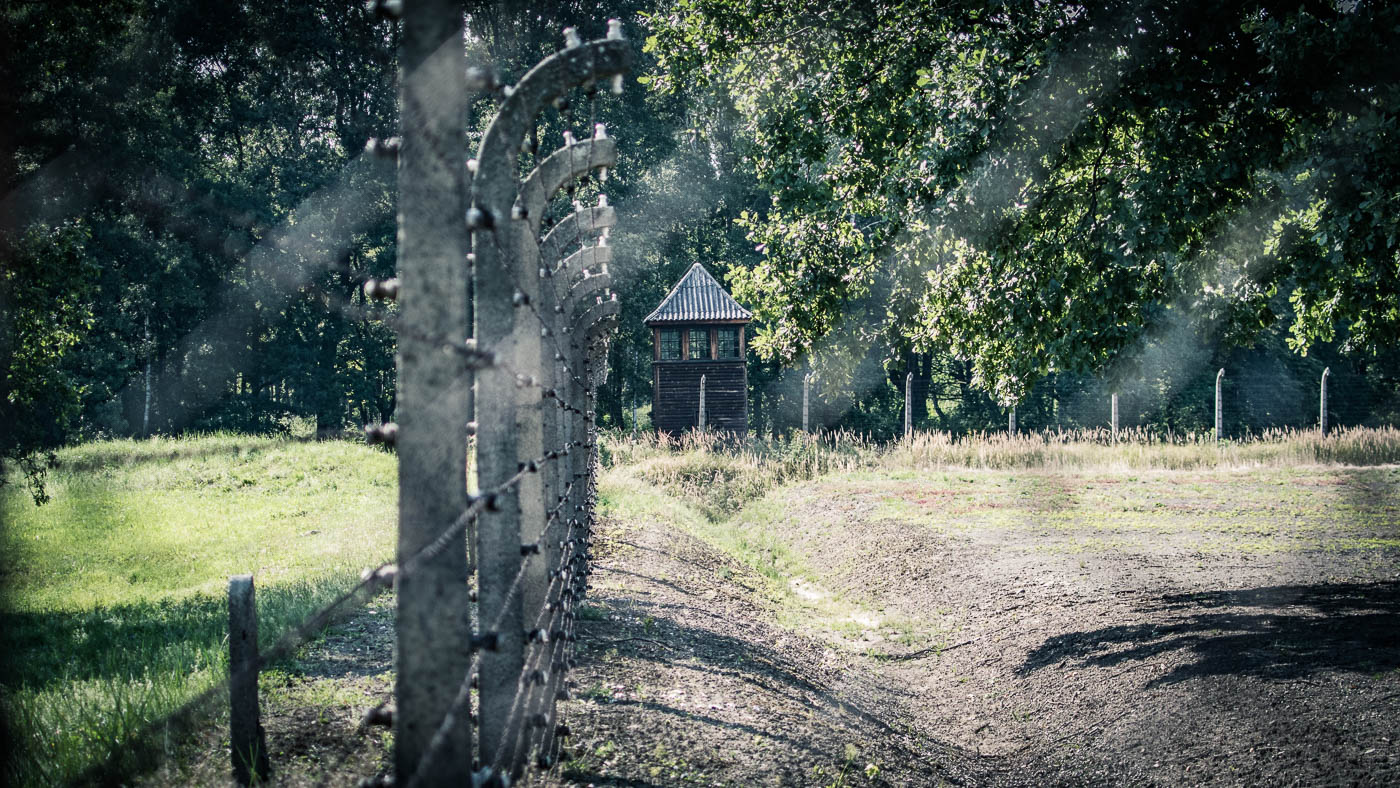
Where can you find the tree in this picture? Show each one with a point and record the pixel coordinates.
(46, 285)
(213, 154)
(1037, 187)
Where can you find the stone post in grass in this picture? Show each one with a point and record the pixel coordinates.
(908, 407)
(247, 743)
(700, 421)
(806, 392)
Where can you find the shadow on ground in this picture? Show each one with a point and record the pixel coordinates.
(735, 700)
(1276, 632)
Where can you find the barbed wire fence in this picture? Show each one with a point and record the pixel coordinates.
(530, 315)
(504, 316)
(1231, 403)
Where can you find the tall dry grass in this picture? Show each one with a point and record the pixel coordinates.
(722, 473)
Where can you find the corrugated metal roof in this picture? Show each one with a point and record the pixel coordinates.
(697, 297)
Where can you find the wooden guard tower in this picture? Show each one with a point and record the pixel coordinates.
(698, 330)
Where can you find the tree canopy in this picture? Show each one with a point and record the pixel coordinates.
(1035, 187)
(157, 181)
(984, 193)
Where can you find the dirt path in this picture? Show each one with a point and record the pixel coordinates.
(684, 679)
(1159, 648)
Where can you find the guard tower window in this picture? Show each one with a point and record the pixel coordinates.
(670, 344)
(728, 341)
(699, 343)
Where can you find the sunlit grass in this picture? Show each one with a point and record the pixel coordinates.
(114, 611)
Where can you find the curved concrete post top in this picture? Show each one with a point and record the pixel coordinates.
(583, 223)
(589, 257)
(581, 295)
(494, 188)
(583, 326)
(567, 164)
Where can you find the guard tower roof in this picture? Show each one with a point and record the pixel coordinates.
(698, 298)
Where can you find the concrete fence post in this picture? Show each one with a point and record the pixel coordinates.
(909, 406)
(806, 394)
(1322, 403)
(434, 611)
(1011, 420)
(512, 264)
(700, 421)
(1219, 412)
(1113, 416)
(247, 742)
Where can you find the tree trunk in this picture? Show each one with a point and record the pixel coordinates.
(942, 418)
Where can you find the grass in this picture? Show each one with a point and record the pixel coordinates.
(720, 475)
(114, 607)
(727, 499)
(799, 456)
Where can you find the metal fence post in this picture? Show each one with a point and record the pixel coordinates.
(1219, 412)
(806, 392)
(908, 406)
(434, 626)
(1322, 403)
(247, 742)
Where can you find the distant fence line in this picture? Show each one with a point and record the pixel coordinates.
(1218, 428)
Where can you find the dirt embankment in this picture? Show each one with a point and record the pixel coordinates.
(1102, 640)
(685, 679)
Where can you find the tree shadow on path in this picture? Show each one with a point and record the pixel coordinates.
(1275, 632)
(715, 686)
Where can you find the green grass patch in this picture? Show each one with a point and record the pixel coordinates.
(115, 610)
(719, 463)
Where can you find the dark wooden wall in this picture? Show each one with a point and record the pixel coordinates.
(676, 395)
